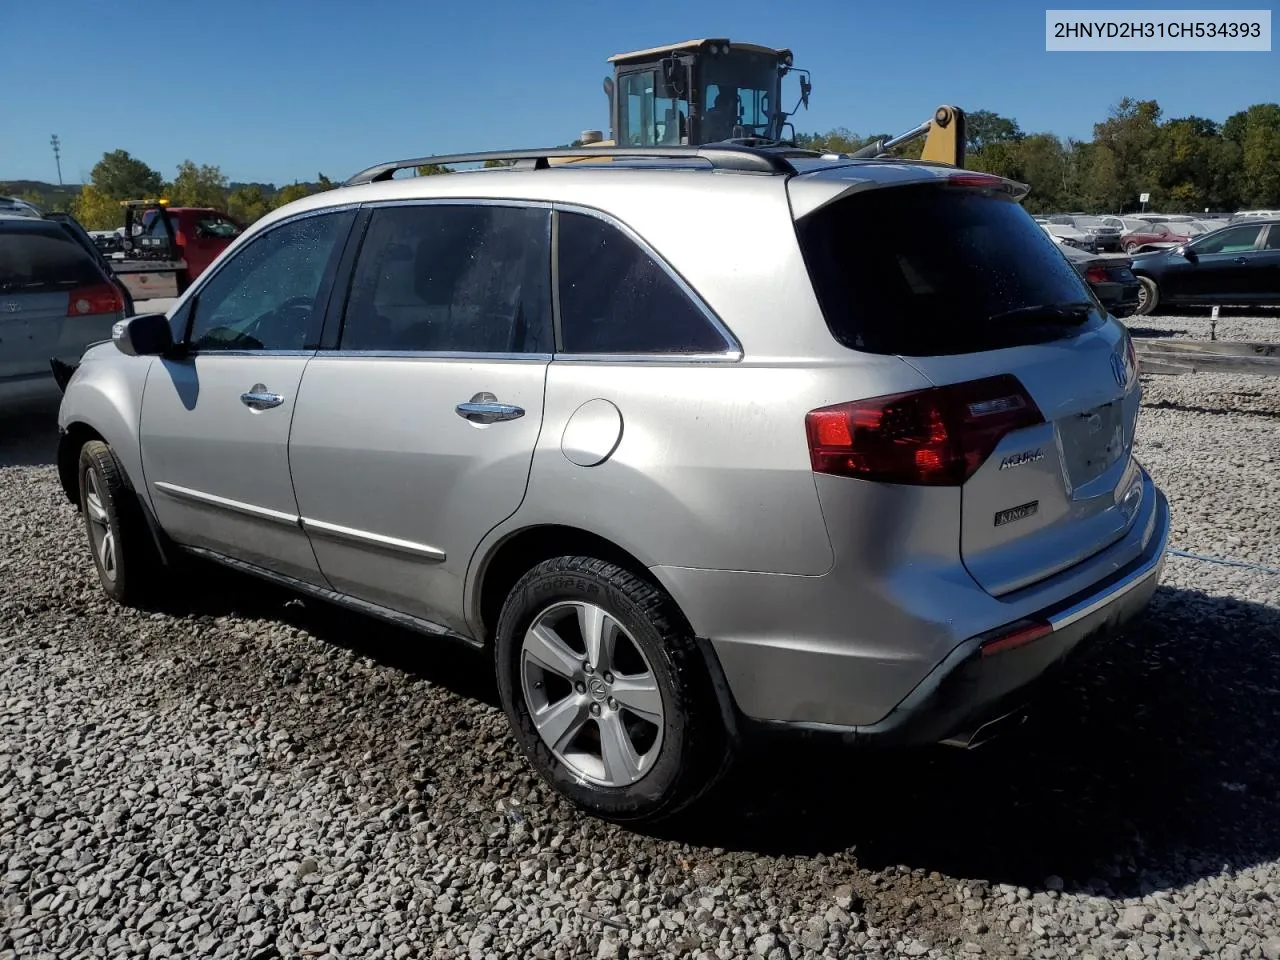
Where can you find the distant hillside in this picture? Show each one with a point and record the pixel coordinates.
(48, 196)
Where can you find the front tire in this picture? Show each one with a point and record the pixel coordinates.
(606, 691)
(123, 550)
(1148, 296)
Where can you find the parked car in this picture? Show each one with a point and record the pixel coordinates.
(550, 411)
(1237, 264)
(15, 207)
(1155, 236)
(1105, 236)
(55, 300)
(1073, 236)
(1111, 279)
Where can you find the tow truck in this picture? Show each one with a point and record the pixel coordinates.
(165, 248)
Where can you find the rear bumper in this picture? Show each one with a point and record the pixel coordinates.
(968, 693)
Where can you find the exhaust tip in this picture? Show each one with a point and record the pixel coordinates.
(985, 733)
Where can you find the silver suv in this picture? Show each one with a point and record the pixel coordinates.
(695, 442)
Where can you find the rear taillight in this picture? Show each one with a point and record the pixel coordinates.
(99, 298)
(1096, 274)
(934, 437)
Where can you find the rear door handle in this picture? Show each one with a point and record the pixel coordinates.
(260, 398)
(485, 408)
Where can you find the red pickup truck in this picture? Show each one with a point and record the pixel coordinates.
(166, 248)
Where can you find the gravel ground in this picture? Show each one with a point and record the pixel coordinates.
(258, 777)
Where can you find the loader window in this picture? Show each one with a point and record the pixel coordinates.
(647, 120)
(944, 270)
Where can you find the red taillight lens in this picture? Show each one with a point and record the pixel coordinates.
(1096, 274)
(934, 437)
(99, 298)
(1017, 636)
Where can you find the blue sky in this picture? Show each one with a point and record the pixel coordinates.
(278, 90)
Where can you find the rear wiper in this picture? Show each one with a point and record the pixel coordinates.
(1073, 311)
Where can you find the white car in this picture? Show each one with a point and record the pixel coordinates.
(1072, 236)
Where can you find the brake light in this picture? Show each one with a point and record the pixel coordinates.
(939, 436)
(975, 180)
(1096, 274)
(99, 298)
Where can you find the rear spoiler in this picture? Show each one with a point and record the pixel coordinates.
(811, 191)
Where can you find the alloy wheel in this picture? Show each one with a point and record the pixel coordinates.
(592, 693)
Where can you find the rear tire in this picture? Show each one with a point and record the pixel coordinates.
(657, 747)
(124, 553)
(1148, 296)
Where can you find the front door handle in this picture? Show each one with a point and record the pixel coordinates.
(260, 398)
(485, 408)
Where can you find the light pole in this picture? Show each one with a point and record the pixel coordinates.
(57, 155)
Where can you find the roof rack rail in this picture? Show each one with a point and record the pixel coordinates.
(735, 157)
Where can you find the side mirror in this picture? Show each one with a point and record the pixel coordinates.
(805, 89)
(1186, 253)
(146, 335)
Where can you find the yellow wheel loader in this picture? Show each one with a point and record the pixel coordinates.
(714, 90)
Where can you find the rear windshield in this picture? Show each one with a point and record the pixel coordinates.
(35, 260)
(927, 270)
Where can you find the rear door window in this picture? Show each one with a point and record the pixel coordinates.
(452, 278)
(944, 270)
(617, 299)
(41, 260)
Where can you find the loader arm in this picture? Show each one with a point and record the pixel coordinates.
(944, 139)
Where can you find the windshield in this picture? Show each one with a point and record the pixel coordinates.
(214, 226)
(738, 93)
(945, 271)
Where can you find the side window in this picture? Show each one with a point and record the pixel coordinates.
(265, 297)
(452, 278)
(157, 228)
(1273, 238)
(1232, 240)
(615, 298)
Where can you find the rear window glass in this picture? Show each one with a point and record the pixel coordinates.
(39, 260)
(942, 271)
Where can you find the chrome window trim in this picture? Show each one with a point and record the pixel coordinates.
(461, 355)
(732, 353)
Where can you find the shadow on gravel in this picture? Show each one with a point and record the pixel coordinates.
(1155, 766)
(444, 662)
(29, 435)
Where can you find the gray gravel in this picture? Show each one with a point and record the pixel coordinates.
(259, 777)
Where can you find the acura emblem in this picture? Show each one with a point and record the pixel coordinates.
(1118, 369)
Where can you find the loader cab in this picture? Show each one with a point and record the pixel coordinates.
(701, 91)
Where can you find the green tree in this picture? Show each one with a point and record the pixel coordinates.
(198, 186)
(95, 210)
(1257, 133)
(290, 193)
(432, 169)
(122, 177)
(983, 128)
(248, 204)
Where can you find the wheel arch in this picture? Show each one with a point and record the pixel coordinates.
(71, 440)
(510, 557)
(505, 561)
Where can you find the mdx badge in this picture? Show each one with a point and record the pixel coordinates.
(1018, 459)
